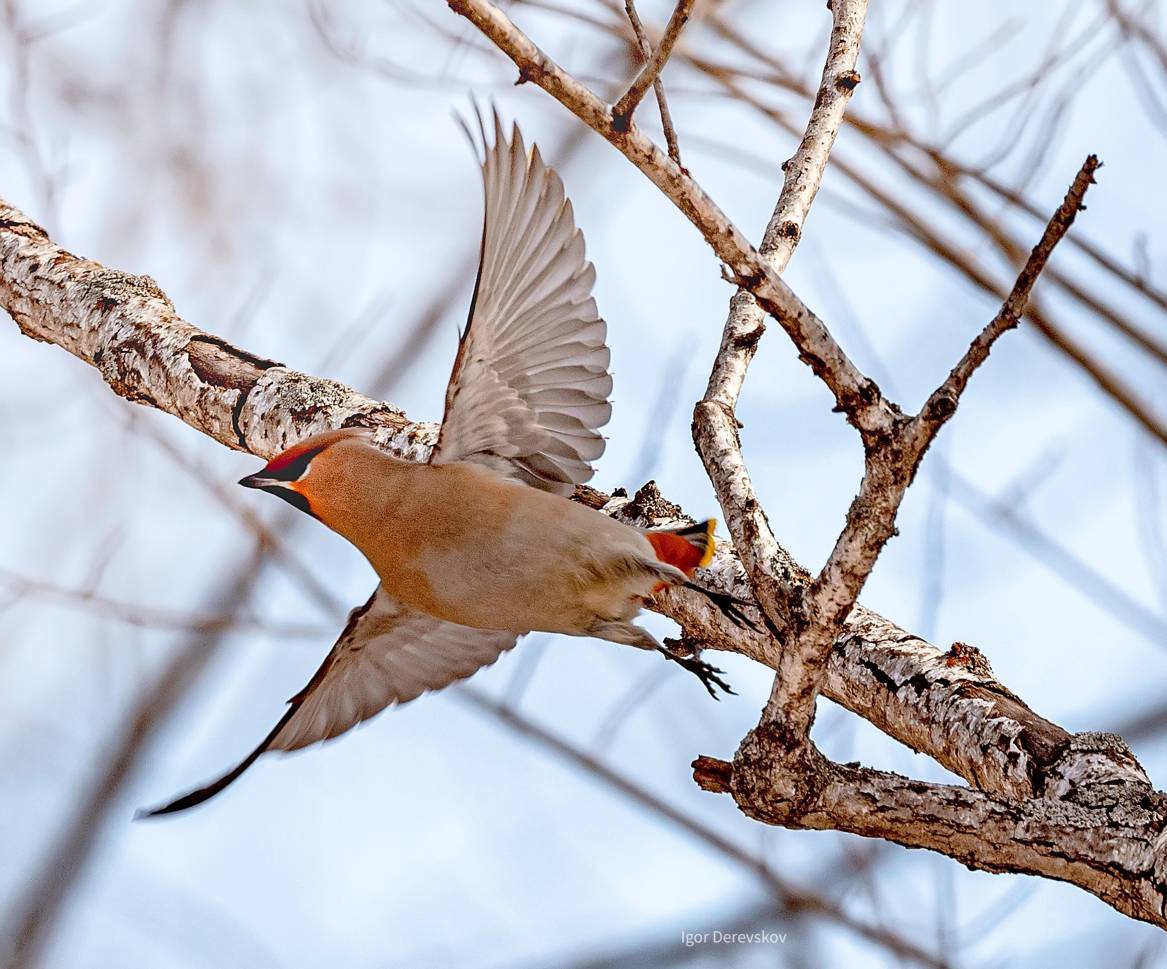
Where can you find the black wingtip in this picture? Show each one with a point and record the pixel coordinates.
(187, 801)
(205, 793)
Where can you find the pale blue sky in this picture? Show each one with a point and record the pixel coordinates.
(290, 200)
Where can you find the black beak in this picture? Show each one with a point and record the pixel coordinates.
(258, 481)
(281, 489)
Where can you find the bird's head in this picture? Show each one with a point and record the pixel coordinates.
(303, 474)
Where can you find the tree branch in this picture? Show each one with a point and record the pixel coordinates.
(894, 446)
(650, 73)
(900, 147)
(1099, 825)
(715, 424)
(658, 86)
(855, 395)
(889, 468)
(790, 898)
(941, 405)
(127, 328)
(947, 705)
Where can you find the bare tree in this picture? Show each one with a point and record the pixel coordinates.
(1037, 798)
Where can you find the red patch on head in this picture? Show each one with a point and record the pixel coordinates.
(291, 464)
(304, 449)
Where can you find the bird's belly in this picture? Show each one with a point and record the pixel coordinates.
(536, 592)
(501, 556)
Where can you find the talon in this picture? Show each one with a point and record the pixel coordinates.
(708, 674)
(730, 606)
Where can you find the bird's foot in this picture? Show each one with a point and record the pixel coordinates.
(729, 605)
(710, 676)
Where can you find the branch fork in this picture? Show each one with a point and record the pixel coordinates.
(650, 74)
(1039, 800)
(778, 775)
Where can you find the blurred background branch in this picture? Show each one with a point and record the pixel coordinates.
(280, 200)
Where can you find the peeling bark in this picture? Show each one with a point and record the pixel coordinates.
(1076, 808)
(127, 328)
(1099, 825)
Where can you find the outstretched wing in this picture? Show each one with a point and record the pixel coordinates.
(388, 653)
(530, 383)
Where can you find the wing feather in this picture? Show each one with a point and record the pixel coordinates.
(387, 654)
(530, 384)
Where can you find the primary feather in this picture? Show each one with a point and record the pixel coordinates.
(530, 383)
(387, 654)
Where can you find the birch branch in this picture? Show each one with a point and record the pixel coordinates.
(1100, 824)
(125, 327)
(658, 86)
(715, 424)
(941, 404)
(890, 466)
(794, 784)
(948, 705)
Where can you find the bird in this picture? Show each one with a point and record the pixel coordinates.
(482, 544)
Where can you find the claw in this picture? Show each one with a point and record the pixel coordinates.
(708, 675)
(730, 606)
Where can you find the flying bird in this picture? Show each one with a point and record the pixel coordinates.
(482, 545)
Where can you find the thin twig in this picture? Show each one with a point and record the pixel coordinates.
(150, 617)
(622, 112)
(941, 405)
(785, 893)
(889, 468)
(244, 401)
(892, 142)
(855, 395)
(35, 913)
(658, 86)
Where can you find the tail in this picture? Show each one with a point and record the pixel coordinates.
(688, 548)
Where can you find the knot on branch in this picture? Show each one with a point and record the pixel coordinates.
(713, 775)
(1096, 771)
(942, 406)
(969, 658)
(778, 775)
(648, 504)
(749, 339)
(111, 288)
(848, 80)
(886, 434)
(533, 72)
(219, 363)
